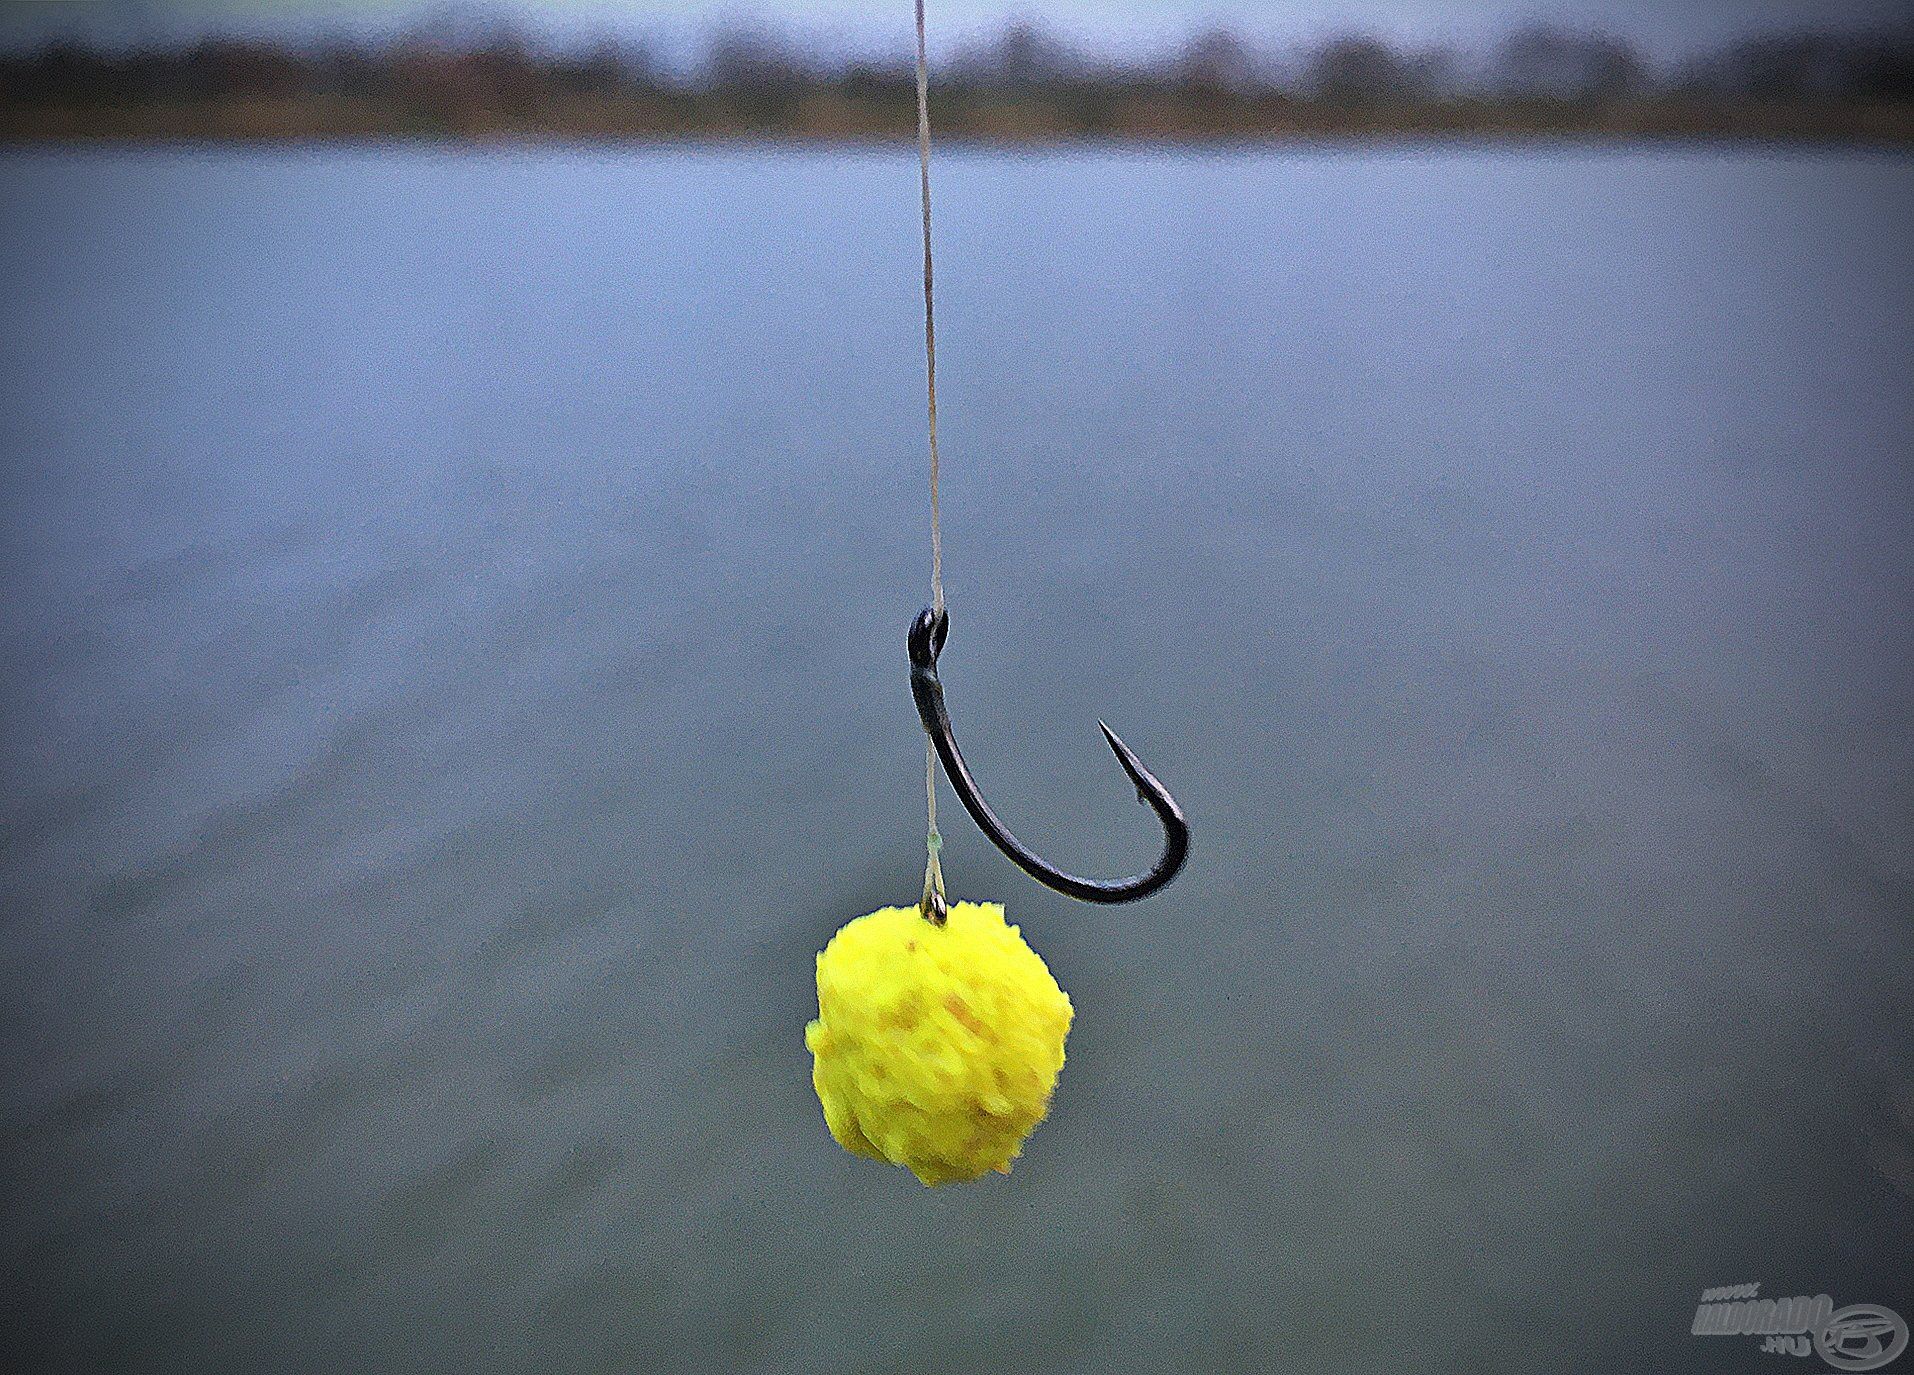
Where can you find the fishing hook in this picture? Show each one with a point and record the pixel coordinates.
(927, 635)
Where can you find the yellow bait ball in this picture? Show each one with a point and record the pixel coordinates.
(936, 1047)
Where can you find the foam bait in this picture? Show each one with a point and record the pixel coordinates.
(936, 1047)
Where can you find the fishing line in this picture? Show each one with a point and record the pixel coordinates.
(933, 903)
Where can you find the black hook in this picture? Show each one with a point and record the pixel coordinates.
(927, 635)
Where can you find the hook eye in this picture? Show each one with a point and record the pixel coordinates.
(927, 635)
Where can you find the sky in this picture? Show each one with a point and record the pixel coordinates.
(1667, 26)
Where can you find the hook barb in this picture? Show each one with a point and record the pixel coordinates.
(927, 635)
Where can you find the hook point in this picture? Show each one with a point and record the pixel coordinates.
(1127, 758)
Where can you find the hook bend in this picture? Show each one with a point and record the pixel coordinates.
(927, 635)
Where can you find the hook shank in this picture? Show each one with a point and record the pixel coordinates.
(927, 635)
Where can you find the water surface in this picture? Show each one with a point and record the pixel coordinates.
(452, 617)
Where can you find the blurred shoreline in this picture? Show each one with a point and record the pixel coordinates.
(1024, 86)
(320, 121)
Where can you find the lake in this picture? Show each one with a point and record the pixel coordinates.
(452, 609)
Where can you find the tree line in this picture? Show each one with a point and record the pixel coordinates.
(1022, 81)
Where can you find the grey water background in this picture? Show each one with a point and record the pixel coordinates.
(452, 637)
